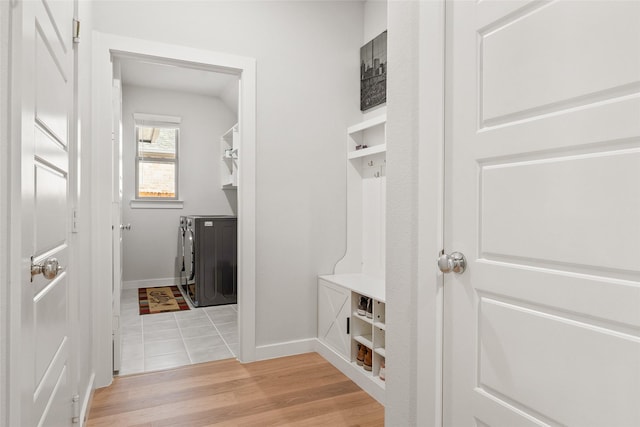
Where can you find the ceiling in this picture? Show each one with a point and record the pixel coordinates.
(171, 77)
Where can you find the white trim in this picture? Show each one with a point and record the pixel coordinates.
(431, 163)
(154, 119)
(5, 226)
(156, 204)
(283, 349)
(166, 281)
(86, 402)
(104, 46)
(15, 368)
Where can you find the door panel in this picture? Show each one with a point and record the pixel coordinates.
(50, 222)
(51, 88)
(57, 414)
(543, 198)
(527, 348)
(561, 200)
(49, 149)
(528, 60)
(50, 323)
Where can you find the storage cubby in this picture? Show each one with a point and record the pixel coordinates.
(367, 138)
(229, 143)
(368, 331)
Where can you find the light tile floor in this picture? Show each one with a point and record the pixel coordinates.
(167, 340)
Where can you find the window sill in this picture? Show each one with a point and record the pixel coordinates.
(156, 204)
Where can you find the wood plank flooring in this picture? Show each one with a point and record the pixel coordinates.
(302, 390)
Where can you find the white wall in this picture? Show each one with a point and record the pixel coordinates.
(414, 194)
(151, 246)
(375, 19)
(307, 94)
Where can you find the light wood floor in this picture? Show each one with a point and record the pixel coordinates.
(302, 390)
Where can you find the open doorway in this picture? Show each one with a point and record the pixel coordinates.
(175, 125)
(111, 50)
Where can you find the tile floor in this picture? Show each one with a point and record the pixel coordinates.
(167, 340)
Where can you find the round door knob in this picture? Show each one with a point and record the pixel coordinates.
(49, 268)
(455, 262)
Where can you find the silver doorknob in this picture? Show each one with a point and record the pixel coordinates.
(455, 262)
(49, 268)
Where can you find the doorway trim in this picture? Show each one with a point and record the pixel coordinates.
(5, 210)
(105, 46)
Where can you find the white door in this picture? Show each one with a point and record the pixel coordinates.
(47, 105)
(543, 198)
(116, 215)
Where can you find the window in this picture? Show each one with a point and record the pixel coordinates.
(157, 158)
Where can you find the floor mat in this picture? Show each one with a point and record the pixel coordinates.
(161, 300)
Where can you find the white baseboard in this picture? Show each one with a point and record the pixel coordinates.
(283, 349)
(86, 402)
(135, 284)
(354, 373)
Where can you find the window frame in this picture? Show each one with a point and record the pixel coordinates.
(156, 121)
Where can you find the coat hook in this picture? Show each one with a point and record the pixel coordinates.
(370, 163)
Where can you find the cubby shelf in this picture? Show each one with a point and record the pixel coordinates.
(229, 143)
(361, 317)
(364, 340)
(367, 124)
(370, 133)
(367, 151)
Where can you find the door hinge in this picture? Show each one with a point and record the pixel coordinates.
(76, 31)
(74, 220)
(76, 409)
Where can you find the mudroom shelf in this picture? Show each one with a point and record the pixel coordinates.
(365, 340)
(363, 318)
(367, 151)
(359, 277)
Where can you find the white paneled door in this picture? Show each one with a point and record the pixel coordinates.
(543, 198)
(47, 108)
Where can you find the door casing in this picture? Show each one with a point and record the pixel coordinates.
(106, 46)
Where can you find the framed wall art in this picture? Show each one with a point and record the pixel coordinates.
(373, 72)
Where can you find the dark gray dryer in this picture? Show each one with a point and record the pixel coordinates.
(210, 260)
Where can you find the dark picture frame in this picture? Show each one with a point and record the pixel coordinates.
(373, 72)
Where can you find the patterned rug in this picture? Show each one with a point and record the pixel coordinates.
(161, 300)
